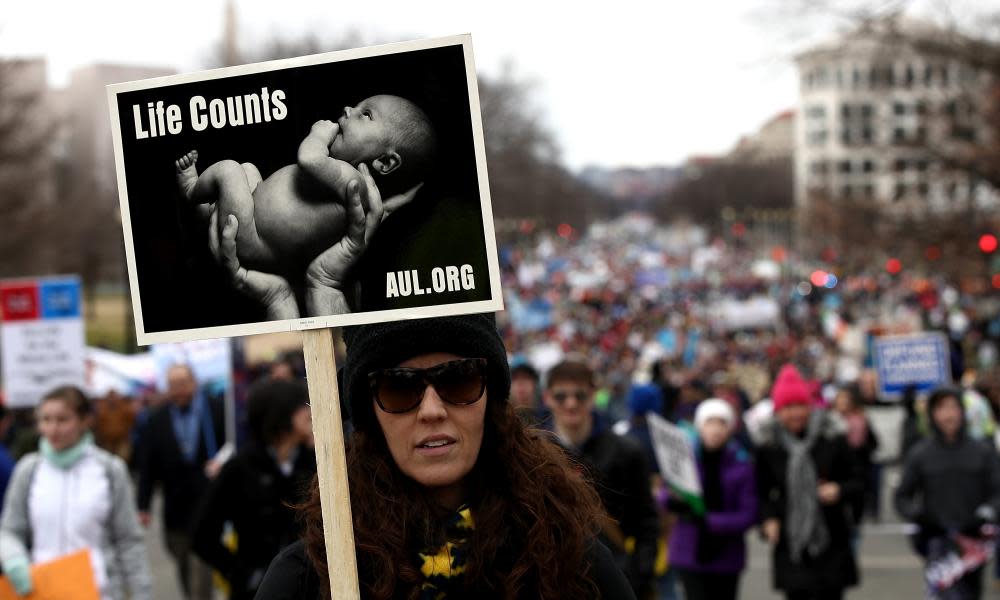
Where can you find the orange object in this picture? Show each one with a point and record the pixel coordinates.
(68, 578)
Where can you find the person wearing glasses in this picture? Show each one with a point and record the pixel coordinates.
(617, 465)
(451, 497)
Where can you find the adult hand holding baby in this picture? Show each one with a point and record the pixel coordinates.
(273, 291)
(327, 273)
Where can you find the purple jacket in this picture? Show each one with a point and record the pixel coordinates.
(738, 514)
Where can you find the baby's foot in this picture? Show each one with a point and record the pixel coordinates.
(187, 175)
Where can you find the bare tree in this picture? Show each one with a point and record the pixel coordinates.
(27, 198)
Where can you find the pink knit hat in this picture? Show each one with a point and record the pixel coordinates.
(790, 388)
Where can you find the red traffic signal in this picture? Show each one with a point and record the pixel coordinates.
(988, 243)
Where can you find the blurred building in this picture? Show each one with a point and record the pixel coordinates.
(84, 156)
(631, 183)
(775, 140)
(875, 108)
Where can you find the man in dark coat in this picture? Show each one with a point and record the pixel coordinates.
(616, 464)
(807, 477)
(177, 447)
(950, 485)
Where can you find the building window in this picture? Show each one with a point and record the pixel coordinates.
(844, 166)
(816, 111)
(928, 75)
(908, 76)
(817, 138)
(856, 77)
(846, 191)
(921, 165)
(868, 166)
(923, 189)
(818, 167)
(869, 190)
(898, 108)
(900, 192)
(900, 165)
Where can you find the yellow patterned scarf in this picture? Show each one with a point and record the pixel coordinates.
(444, 566)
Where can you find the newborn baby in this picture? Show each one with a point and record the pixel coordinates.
(298, 212)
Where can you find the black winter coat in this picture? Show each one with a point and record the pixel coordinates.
(160, 462)
(254, 495)
(834, 461)
(945, 482)
(617, 465)
(292, 577)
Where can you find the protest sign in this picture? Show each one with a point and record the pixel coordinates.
(68, 578)
(297, 214)
(920, 360)
(675, 456)
(277, 147)
(41, 337)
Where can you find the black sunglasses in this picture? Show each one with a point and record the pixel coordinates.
(399, 390)
(580, 395)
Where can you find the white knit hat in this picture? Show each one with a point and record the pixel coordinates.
(714, 408)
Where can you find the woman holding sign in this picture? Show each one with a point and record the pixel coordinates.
(807, 478)
(708, 549)
(72, 496)
(452, 497)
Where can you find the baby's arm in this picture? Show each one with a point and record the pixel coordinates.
(314, 158)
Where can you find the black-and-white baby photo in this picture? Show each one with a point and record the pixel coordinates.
(311, 192)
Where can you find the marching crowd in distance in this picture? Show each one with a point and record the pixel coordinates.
(550, 487)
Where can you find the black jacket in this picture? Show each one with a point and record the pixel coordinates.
(617, 465)
(254, 495)
(945, 482)
(161, 462)
(834, 461)
(292, 577)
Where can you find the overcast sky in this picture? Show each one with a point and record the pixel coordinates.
(620, 83)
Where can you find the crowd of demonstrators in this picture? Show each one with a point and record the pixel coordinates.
(69, 496)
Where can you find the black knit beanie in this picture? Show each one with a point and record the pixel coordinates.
(385, 345)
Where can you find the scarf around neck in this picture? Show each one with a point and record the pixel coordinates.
(804, 522)
(66, 458)
(443, 567)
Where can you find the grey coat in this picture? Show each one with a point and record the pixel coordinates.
(124, 548)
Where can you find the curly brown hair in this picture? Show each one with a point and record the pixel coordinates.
(535, 515)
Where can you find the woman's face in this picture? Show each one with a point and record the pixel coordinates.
(795, 417)
(714, 433)
(302, 427)
(432, 422)
(59, 425)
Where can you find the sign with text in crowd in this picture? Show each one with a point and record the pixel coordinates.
(675, 456)
(41, 337)
(238, 203)
(920, 360)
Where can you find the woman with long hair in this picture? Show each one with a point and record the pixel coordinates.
(71, 496)
(452, 497)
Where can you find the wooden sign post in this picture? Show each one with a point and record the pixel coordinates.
(331, 463)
